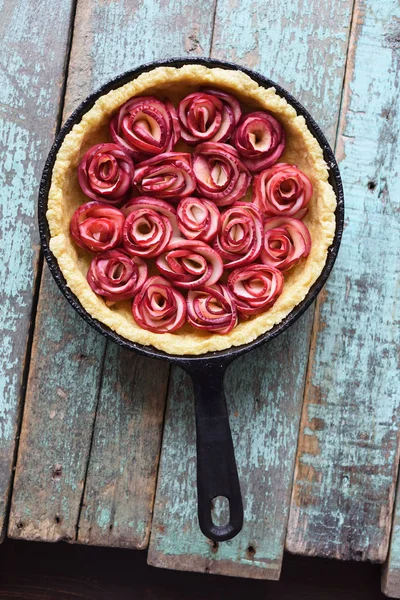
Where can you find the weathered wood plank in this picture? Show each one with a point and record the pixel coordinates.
(57, 425)
(31, 76)
(265, 389)
(120, 486)
(349, 443)
(118, 495)
(301, 45)
(264, 422)
(118, 36)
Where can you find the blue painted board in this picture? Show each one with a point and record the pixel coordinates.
(264, 421)
(34, 43)
(99, 482)
(57, 424)
(286, 42)
(121, 478)
(349, 437)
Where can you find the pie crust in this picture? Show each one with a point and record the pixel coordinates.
(65, 195)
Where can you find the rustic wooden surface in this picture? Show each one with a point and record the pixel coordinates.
(30, 92)
(93, 499)
(264, 422)
(349, 438)
(120, 484)
(119, 490)
(91, 432)
(264, 389)
(58, 419)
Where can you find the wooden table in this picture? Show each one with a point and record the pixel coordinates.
(315, 414)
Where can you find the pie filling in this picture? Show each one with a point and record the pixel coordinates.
(191, 220)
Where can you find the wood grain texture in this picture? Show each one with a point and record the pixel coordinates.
(120, 486)
(264, 423)
(117, 498)
(57, 425)
(30, 85)
(301, 45)
(265, 389)
(349, 443)
(117, 36)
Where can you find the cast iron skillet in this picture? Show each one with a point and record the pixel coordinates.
(216, 465)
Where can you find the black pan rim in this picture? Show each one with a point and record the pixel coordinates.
(229, 354)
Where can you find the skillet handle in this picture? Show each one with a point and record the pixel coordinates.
(216, 466)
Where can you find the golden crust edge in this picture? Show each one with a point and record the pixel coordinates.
(295, 289)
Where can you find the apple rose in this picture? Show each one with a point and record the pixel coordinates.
(189, 263)
(169, 175)
(208, 116)
(221, 176)
(255, 288)
(149, 226)
(212, 309)
(159, 307)
(282, 190)
(198, 219)
(116, 276)
(105, 173)
(145, 126)
(286, 241)
(260, 140)
(240, 239)
(97, 226)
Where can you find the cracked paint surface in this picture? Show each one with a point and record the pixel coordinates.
(32, 64)
(106, 434)
(345, 476)
(264, 390)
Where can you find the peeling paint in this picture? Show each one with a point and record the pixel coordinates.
(120, 481)
(353, 379)
(287, 42)
(30, 80)
(65, 389)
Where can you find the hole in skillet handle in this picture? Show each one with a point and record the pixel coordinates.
(216, 465)
(220, 510)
